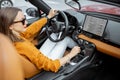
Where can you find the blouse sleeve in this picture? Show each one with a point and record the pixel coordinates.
(37, 58)
(34, 28)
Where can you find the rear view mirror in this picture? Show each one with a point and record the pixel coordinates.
(73, 3)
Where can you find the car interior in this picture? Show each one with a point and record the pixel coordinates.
(96, 33)
(98, 36)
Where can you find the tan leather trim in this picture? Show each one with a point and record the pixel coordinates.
(103, 47)
(29, 68)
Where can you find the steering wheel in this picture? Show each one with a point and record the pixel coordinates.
(58, 27)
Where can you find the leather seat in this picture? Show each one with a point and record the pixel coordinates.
(28, 68)
(12, 65)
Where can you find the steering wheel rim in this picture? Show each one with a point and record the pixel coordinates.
(65, 31)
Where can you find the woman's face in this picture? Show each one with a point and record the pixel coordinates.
(20, 23)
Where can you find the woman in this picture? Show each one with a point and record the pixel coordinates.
(14, 25)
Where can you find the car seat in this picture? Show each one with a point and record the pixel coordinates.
(12, 65)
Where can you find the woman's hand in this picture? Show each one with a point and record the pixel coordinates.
(52, 13)
(74, 51)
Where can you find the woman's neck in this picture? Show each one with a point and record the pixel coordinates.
(16, 33)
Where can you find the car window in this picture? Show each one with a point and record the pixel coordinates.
(24, 5)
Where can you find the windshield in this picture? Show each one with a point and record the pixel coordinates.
(101, 6)
(113, 2)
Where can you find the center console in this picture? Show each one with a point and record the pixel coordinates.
(75, 64)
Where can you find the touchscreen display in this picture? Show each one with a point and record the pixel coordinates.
(94, 25)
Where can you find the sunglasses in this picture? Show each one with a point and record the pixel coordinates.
(22, 21)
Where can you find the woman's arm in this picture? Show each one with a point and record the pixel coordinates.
(34, 28)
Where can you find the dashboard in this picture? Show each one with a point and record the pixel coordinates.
(104, 32)
(100, 27)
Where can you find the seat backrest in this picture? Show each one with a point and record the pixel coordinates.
(28, 67)
(10, 67)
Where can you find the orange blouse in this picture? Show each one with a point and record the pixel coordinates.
(29, 51)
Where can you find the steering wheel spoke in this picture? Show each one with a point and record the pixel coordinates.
(59, 35)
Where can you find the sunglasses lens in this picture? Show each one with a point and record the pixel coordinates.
(23, 21)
